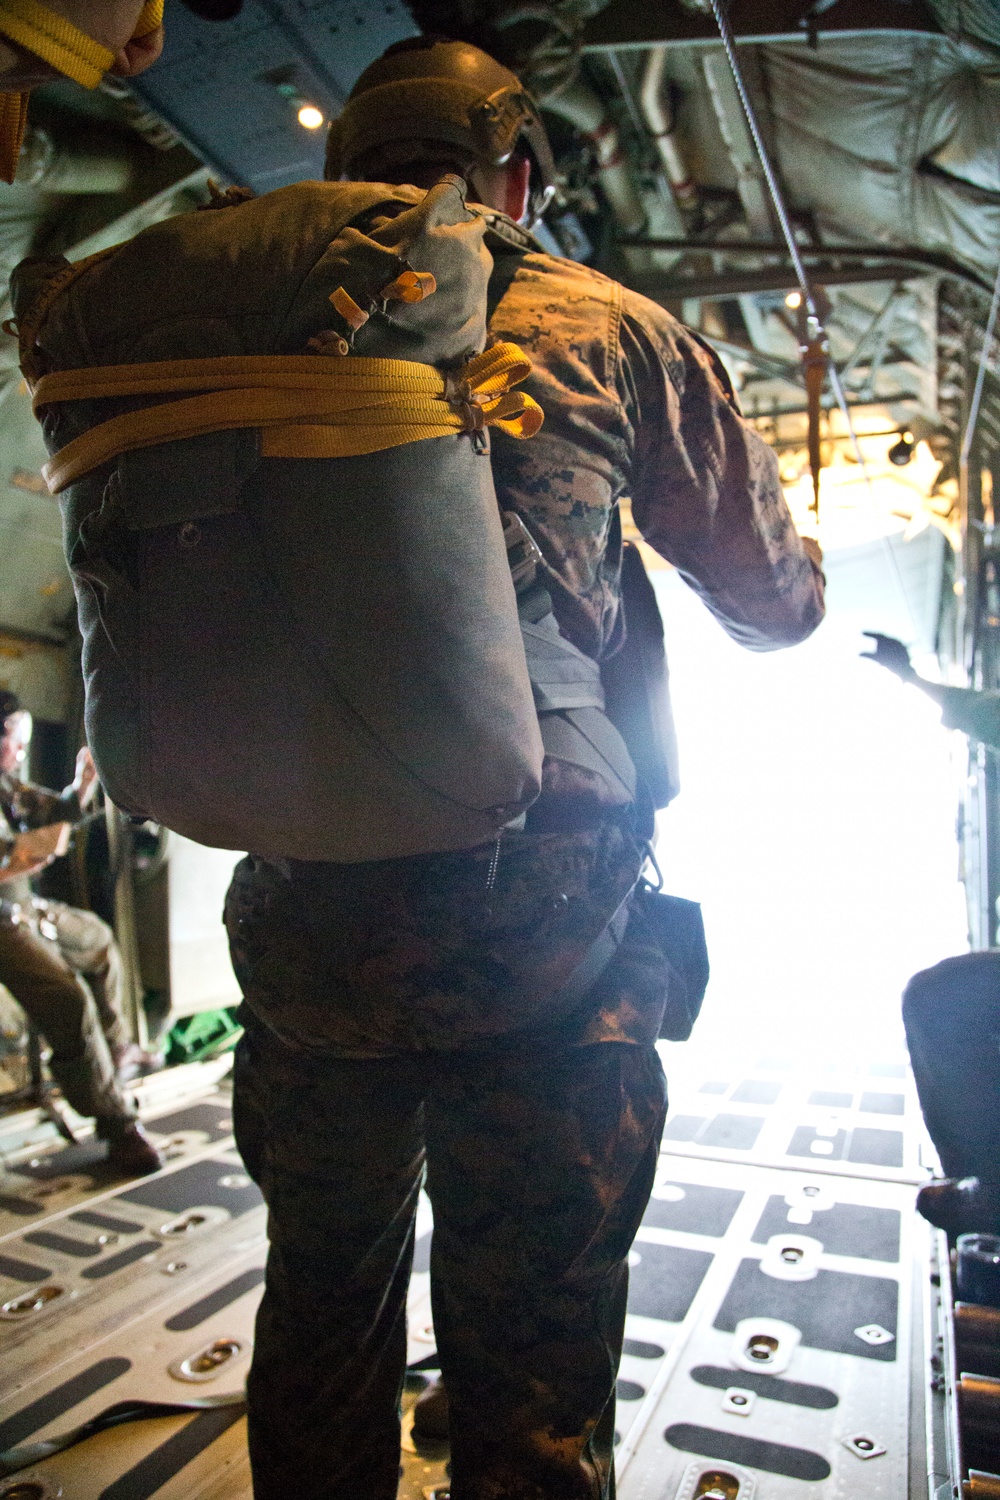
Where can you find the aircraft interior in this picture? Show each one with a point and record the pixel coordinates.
(795, 1330)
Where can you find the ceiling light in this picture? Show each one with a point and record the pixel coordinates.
(794, 299)
(900, 453)
(310, 117)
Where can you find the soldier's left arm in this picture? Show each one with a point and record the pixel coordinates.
(706, 492)
(31, 806)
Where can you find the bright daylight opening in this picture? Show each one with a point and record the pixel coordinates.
(816, 824)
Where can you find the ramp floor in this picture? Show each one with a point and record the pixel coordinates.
(779, 1340)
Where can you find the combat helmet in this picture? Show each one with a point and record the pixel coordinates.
(440, 92)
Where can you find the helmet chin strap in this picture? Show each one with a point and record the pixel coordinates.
(539, 202)
(505, 187)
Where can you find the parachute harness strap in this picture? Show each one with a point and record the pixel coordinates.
(27, 326)
(64, 47)
(306, 407)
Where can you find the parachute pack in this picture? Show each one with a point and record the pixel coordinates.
(269, 429)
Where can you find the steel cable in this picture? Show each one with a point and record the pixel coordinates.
(814, 322)
(816, 331)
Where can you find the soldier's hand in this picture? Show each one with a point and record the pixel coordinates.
(891, 654)
(111, 23)
(33, 851)
(85, 779)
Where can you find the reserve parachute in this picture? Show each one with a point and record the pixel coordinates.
(269, 431)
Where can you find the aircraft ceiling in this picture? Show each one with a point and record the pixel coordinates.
(882, 117)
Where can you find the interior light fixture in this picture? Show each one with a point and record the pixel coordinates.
(794, 299)
(310, 117)
(900, 453)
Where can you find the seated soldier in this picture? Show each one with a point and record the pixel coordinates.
(45, 946)
(972, 711)
(952, 1017)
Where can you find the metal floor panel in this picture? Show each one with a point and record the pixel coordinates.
(797, 1340)
(852, 1120)
(40, 1177)
(151, 1277)
(815, 1256)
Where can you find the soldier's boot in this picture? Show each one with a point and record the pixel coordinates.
(964, 1205)
(130, 1151)
(131, 1062)
(430, 1414)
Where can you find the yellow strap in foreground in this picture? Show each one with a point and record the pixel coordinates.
(13, 119)
(66, 48)
(61, 44)
(150, 18)
(308, 406)
(55, 40)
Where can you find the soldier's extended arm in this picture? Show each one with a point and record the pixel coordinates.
(706, 489)
(28, 806)
(968, 710)
(28, 853)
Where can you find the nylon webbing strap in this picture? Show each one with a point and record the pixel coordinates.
(307, 406)
(814, 365)
(55, 40)
(26, 1454)
(596, 959)
(64, 47)
(13, 122)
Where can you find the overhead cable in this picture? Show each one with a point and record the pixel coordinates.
(816, 359)
(977, 393)
(815, 355)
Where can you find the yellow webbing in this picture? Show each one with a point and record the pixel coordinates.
(66, 48)
(308, 406)
(13, 120)
(55, 40)
(150, 18)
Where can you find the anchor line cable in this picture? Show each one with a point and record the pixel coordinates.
(814, 322)
(977, 393)
(777, 198)
(774, 188)
(974, 405)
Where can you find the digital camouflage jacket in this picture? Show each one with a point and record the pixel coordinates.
(24, 806)
(637, 406)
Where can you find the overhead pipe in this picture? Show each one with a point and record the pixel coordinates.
(660, 123)
(580, 105)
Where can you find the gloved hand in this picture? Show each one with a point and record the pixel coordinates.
(891, 654)
(85, 781)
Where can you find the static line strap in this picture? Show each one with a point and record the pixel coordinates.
(67, 49)
(306, 406)
(150, 19)
(26, 1454)
(13, 122)
(55, 40)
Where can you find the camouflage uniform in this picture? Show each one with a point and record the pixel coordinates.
(44, 947)
(412, 1011)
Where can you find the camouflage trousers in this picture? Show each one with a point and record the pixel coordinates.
(539, 1162)
(44, 949)
(537, 1143)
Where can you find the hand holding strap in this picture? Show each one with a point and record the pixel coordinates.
(64, 47)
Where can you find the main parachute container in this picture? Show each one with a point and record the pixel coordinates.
(300, 631)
